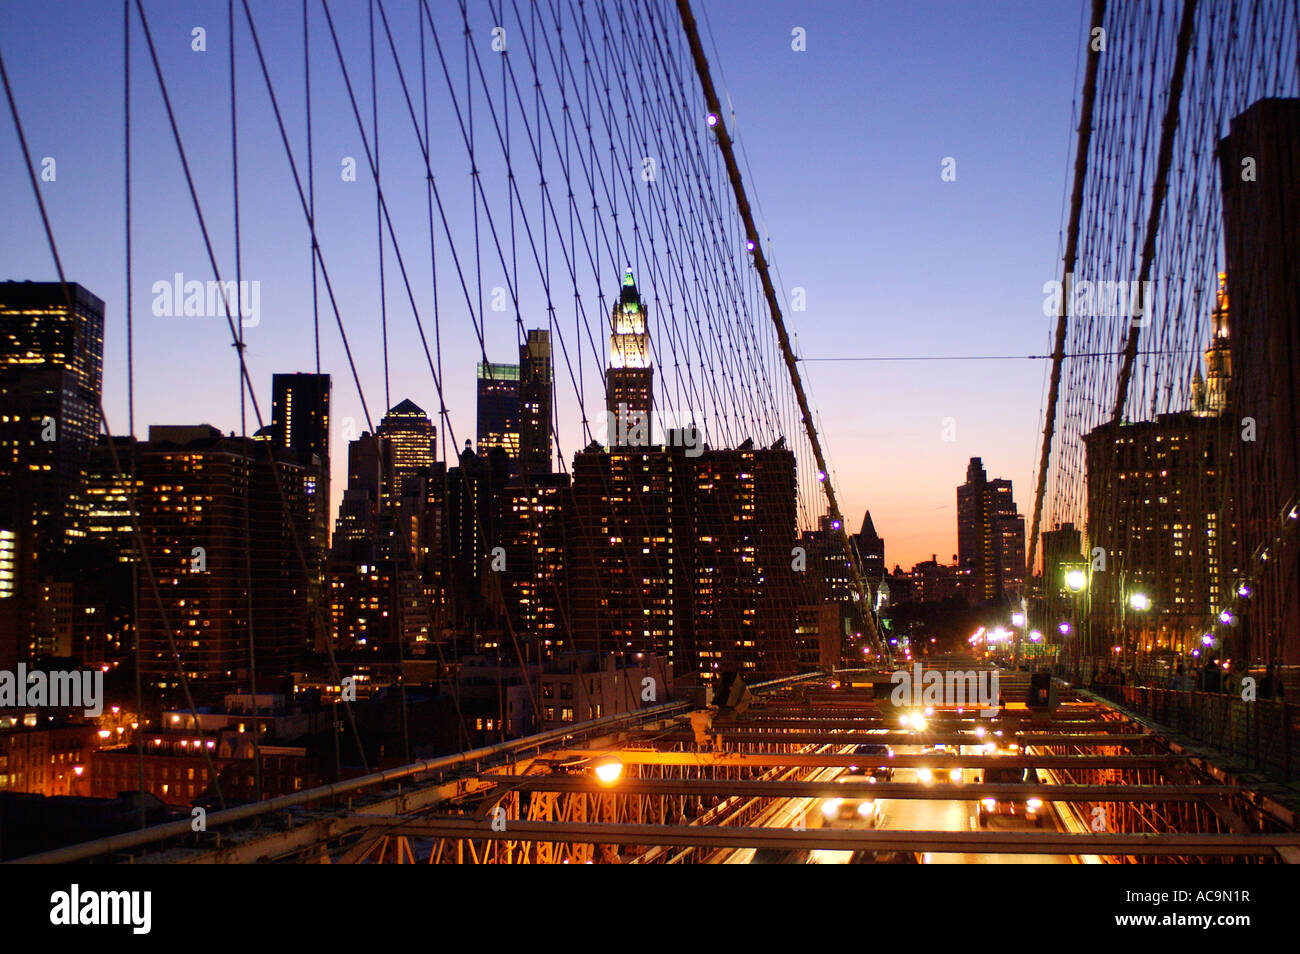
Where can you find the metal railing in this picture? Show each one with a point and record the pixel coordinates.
(1264, 732)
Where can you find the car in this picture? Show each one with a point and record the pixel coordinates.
(1030, 808)
(883, 769)
(856, 808)
(929, 775)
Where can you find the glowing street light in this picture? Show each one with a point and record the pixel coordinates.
(608, 770)
(1076, 581)
(1035, 636)
(1065, 629)
(1017, 619)
(1139, 601)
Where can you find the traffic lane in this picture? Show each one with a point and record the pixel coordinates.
(957, 814)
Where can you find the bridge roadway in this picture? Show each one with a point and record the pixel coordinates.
(674, 783)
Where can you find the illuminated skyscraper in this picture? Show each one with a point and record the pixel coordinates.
(223, 532)
(535, 403)
(629, 381)
(51, 361)
(300, 421)
(411, 445)
(498, 410)
(535, 529)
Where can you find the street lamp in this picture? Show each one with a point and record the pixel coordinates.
(608, 770)
(1076, 581)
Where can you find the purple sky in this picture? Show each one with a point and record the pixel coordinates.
(844, 143)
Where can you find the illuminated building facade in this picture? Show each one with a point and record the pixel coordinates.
(1154, 503)
(629, 380)
(498, 410)
(410, 440)
(686, 557)
(224, 547)
(535, 536)
(51, 375)
(536, 388)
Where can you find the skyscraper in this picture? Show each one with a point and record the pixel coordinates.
(1154, 504)
(535, 403)
(498, 410)
(629, 380)
(300, 413)
(410, 440)
(51, 366)
(300, 422)
(535, 529)
(224, 546)
(990, 534)
(688, 557)
(871, 550)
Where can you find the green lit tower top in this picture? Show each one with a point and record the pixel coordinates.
(629, 381)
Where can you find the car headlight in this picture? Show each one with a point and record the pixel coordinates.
(831, 806)
(1034, 804)
(990, 803)
(979, 732)
(924, 774)
(866, 808)
(955, 775)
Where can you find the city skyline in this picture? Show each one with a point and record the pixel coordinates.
(537, 433)
(998, 182)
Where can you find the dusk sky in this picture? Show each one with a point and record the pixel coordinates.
(844, 143)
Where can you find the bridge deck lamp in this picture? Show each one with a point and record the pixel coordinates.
(608, 770)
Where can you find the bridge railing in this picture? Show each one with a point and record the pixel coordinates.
(1264, 732)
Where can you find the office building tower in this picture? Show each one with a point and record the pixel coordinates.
(1154, 507)
(51, 361)
(535, 535)
(871, 551)
(629, 380)
(410, 439)
(990, 535)
(223, 531)
(498, 410)
(536, 387)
